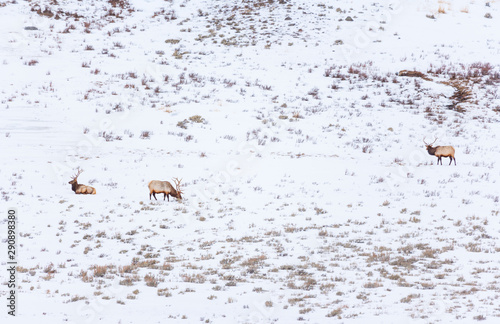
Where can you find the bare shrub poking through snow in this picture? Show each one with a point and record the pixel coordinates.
(145, 134)
(197, 119)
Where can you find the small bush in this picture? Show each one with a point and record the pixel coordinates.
(197, 119)
(335, 312)
(145, 134)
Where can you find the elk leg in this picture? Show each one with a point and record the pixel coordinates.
(168, 198)
(154, 195)
(451, 160)
(164, 195)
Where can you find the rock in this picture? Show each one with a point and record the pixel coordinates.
(30, 28)
(349, 18)
(488, 15)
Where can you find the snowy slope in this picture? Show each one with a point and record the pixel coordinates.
(308, 193)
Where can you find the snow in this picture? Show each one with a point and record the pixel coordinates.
(308, 193)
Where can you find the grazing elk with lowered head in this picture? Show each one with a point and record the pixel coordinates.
(165, 188)
(80, 188)
(441, 151)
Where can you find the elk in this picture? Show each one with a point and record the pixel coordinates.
(165, 187)
(80, 188)
(441, 151)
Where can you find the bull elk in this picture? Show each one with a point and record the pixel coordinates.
(80, 188)
(441, 151)
(166, 188)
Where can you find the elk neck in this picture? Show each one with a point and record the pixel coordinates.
(431, 150)
(74, 186)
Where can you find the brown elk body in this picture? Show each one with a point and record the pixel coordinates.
(166, 188)
(441, 151)
(81, 188)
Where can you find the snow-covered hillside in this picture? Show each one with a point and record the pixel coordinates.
(297, 128)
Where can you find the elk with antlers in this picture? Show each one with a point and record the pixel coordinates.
(166, 188)
(80, 188)
(441, 151)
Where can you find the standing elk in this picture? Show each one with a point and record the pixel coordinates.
(165, 187)
(441, 151)
(80, 188)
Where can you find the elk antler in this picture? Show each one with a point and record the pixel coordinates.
(431, 143)
(177, 183)
(78, 172)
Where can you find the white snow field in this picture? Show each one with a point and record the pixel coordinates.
(297, 128)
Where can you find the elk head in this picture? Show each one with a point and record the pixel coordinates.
(75, 177)
(431, 150)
